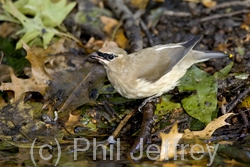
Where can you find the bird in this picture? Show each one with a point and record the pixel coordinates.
(152, 71)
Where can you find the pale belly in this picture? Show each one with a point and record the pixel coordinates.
(142, 89)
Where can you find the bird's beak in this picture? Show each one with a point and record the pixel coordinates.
(96, 56)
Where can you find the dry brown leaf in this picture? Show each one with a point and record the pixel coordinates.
(142, 4)
(169, 143)
(57, 47)
(247, 38)
(245, 25)
(170, 140)
(195, 1)
(2, 102)
(37, 66)
(209, 3)
(206, 3)
(159, 1)
(76, 80)
(222, 47)
(73, 121)
(83, 87)
(7, 28)
(93, 45)
(4, 72)
(53, 49)
(109, 24)
(121, 39)
(36, 83)
(209, 129)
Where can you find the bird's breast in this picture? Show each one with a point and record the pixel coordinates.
(124, 83)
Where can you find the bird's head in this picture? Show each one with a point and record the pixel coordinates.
(111, 56)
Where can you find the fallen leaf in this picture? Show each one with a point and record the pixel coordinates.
(7, 29)
(38, 82)
(246, 23)
(245, 103)
(209, 129)
(46, 16)
(203, 102)
(18, 118)
(92, 45)
(4, 72)
(142, 4)
(224, 72)
(171, 140)
(121, 39)
(76, 80)
(2, 102)
(84, 90)
(209, 3)
(166, 105)
(73, 121)
(222, 47)
(109, 24)
(169, 143)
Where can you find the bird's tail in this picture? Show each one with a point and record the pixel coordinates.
(211, 55)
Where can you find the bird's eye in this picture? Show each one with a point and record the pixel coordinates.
(111, 57)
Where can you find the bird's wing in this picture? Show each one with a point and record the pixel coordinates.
(159, 60)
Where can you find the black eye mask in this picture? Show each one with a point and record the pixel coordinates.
(106, 56)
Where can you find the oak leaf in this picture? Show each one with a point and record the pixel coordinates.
(38, 81)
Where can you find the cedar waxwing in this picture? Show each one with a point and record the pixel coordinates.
(152, 71)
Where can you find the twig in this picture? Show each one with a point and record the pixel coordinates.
(244, 118)
(148, 34)
(238, 99)
(169, 126)
(217, 16)
(245, 3)
(109, 109)
(176, 13)
(146, 127)
(120, 126)
(131, 28)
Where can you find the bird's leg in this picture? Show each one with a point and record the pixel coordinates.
(150, 99)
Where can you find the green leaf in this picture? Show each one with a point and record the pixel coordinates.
(28, 7)
(223, 73)
(52, 14)
(28, 36)
(47, 36)
(8, 18)
(55, 13)
(203, 102)
(47, 15)
(166, 105)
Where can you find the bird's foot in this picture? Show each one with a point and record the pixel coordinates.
(148, 100)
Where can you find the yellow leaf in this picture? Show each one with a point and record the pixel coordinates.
(109, 24)
(142, 4)
(209, 130)
(209, 3)
(120, 39)
(245, 103)
(169, 143)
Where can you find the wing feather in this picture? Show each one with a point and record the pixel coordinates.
(160, 59)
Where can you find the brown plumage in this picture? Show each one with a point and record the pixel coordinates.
(151, 71)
